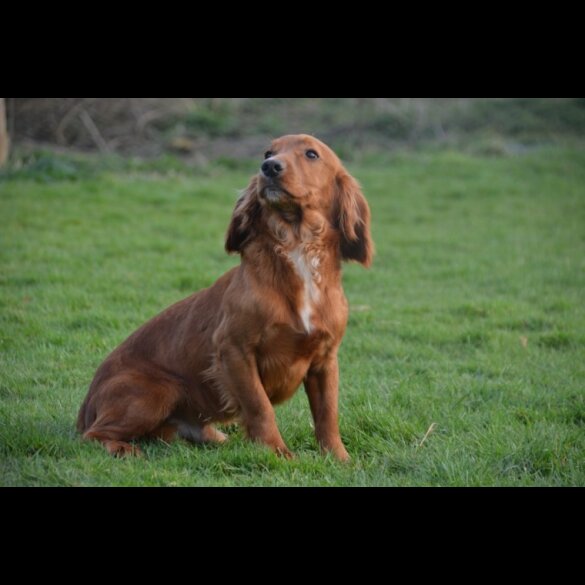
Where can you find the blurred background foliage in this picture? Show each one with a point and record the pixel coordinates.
(54, 138)
(202, 130)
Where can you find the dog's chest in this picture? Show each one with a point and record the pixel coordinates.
(285, 357)
(306, 267)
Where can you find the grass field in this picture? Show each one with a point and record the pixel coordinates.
(472, 320)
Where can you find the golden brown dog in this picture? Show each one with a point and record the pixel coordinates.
(233, 351)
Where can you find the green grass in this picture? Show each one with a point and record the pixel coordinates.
(472, 318)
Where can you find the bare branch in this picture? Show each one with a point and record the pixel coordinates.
(94, 132)
(65, 121)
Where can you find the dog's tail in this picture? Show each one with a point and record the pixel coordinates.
(88, 413)
(86, 417)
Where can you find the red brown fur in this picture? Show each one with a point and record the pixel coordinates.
(233, 351)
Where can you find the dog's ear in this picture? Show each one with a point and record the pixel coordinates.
(245, 215)
(353, 217)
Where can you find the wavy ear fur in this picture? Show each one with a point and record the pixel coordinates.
(245, 215)
(354, 219)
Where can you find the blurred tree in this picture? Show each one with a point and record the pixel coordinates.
(4, 140)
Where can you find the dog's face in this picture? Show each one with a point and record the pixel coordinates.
(298, 170)
(300, 177)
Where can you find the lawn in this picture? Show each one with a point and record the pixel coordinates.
(471, 324)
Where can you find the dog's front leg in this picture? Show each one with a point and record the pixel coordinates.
(322, 386)
(241, 381)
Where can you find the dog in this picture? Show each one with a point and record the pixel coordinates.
(234, 351)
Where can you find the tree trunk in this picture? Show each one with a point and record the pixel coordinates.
(4, 140)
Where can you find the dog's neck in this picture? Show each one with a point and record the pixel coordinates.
(307, 230)
(302, 254)
(310, 243)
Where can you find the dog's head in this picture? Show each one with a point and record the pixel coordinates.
(301, 176)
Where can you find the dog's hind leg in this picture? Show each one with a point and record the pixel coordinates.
(131, 407)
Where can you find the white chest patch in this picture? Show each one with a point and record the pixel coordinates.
(307, 268)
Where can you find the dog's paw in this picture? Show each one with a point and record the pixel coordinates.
(342, 456)
(212, 435)
(121, 449)
(285, 453)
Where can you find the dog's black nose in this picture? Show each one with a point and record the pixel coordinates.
(272, 168)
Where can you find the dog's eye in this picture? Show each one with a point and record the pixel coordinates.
(312, 154)
(268, 154)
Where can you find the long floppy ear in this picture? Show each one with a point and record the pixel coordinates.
(245, 215)
(353, 217)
